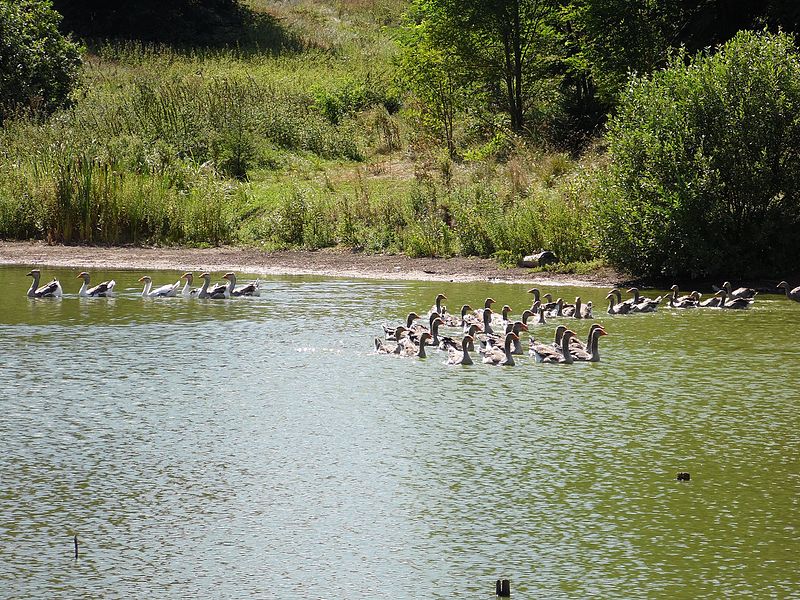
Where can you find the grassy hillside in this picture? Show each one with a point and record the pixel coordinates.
(300, 137)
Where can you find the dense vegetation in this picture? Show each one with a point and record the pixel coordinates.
(429, 127)
(38, 65)
(705, 176)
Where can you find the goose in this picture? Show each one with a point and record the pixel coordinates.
(494, 340)
(451, 343)
(643, 304)
(501, 357)
(578, 310)
(434, 334)
(549, 305)
(554, 356)
(222, 290)
(535, 292)
(592, 354)
(682, 303)
(251, 289)
(736, 303)
(165, 291)
(576, 344)
(381, 347)
(713, 302)
(389, 332)
(791, 295)
(502, 319)
(556, 310)
(467, 318)
(543, 349)
(101, 290)
(617, 309)
(487, 321)
(416, 330)
(738, 292)
(487, 304)
(203, 291)
(51, 290)
(618, 295)
(678, 300)
(437, 305)
(527, 314)
(412, 349)
(461, 357)
(186, 290)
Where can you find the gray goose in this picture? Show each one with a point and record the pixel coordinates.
(461, 356)
(622, 308)
(736, 303)
(790, 294)
(738, 292)
(551, 355)
(501, 357)
(591, 352)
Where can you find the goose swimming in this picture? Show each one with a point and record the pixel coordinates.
(50, 290)
(501, 357)
(101, 290)
(590, 353)
(791, 295)
(169, 290)
(461, 357)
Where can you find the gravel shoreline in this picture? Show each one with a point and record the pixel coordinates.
(329, 262)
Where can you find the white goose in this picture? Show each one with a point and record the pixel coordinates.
(101, 290)
(169, 290)
(51, 290)
(187, 291)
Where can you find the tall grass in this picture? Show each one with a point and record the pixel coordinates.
(308, 147)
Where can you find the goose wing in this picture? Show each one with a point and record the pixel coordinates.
(102, 289)
(51, 290)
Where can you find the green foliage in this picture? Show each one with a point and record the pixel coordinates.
(502, 48)
(38, 65)
(67, 193)
(705, 170)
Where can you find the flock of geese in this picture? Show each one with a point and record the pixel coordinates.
(496, 337)
(106, 288)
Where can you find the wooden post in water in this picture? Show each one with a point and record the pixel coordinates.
(503, 588)
(75, 539)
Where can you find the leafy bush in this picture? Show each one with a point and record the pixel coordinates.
(705, 164)
(38, 66)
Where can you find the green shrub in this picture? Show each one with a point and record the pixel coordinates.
(705, 164)
(38, 66)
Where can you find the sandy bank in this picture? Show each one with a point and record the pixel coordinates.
(331, 262)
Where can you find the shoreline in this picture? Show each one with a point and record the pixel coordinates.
(327, 262)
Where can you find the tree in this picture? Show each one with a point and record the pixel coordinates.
(705, 164)
(38, 65)
(607, 40)
(435, 76)
(502, 46)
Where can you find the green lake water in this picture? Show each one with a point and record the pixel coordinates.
(258, 448)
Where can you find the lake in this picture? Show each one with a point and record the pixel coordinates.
(258, 447)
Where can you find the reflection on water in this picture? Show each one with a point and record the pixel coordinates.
(257, 447)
